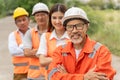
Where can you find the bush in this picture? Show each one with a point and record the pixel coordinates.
(109, 34)
(96, 18)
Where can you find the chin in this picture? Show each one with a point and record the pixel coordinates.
(76, 41)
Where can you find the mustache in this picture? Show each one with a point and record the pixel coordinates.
(76, 33)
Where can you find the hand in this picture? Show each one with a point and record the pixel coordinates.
(91, 75)
(61, 68)
(30, 52)
(34, 51)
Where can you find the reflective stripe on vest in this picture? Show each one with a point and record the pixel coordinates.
(51, 73)
(21, 64)
(96, 47)
(40, 78)
(34, 67)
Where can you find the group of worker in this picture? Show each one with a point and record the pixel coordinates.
(58, 47)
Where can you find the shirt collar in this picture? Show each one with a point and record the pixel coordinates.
(36, 28)
(89, 44)
(18, 31)
(53, 35)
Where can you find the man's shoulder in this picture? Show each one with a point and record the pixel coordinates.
(64, 47)
(11, 33)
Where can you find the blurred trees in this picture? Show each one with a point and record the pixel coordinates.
(102, 4)
(7, 6)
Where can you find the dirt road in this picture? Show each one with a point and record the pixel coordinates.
(6, 69)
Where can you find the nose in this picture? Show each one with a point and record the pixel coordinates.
(74, 29)
(57, 20)
(22, 22)
(40, 17)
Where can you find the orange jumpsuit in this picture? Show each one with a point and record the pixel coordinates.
(87, 60)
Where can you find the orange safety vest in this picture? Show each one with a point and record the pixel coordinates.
(35, 71)
(51, 43)
(21, 63)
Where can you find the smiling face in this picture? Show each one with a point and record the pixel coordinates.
(22, 23)
(77, 34)
(41, 18)
(56, 18)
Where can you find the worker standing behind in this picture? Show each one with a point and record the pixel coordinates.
(15, 44)
(58, 36)
(82, 58)
(32, 39)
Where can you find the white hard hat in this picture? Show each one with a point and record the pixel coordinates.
(75, 12)
(40, 7)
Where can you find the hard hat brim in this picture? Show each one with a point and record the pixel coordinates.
(74, 16)
(39, 12)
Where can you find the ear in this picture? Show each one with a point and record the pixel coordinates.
(86, 25)
(15, 22)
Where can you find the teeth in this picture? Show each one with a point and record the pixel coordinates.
(76, 36)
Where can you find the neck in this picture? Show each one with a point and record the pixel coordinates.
(59, 33)
(42, 28)
(23, 31)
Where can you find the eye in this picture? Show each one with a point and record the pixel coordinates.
(79, 25)
(53, 17)
(24, 19)
(60, 17)
(69, 26)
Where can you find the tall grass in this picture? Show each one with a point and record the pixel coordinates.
(110, 33)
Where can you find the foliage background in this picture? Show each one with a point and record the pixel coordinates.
(104, 17)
